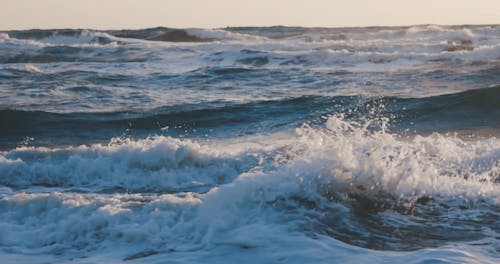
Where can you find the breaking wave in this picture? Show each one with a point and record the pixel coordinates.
(322, 180)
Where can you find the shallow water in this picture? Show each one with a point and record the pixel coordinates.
(250, 144)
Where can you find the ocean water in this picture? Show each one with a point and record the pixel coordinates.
(250, 145)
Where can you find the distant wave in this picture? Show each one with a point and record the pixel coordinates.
(159, 34)
(276, 32)
(320, 47)
(106, 37)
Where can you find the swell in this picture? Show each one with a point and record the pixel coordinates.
(460, 111)
(465, 110)
(159, 34)
(197, 119)
(66, 53)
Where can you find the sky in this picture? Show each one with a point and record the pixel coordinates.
(119, 14)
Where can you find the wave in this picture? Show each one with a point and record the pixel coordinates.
(444, 33)
(64, 53)
(88, 36)
(356, 33)
(279, 46)
(160, 34)
(178, 120)
(127, 159)
(62, 36)
(450, 112)
(464, 111)
(156, 164)
(332, 182)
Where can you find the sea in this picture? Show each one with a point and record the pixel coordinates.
(250, 145)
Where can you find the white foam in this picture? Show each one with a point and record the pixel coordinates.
(4, 37)
(345, 152)
(240, 217)
(32, 68)
(171, 227)
(84, 37)
(159, 163)
(424, 165)
(222, 35)
(236, 220)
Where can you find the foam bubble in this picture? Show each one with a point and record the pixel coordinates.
(32, 68)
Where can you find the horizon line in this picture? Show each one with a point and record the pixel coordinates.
(253, 26)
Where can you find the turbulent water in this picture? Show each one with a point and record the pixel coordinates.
(258, 145)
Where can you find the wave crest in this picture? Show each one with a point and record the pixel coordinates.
(158, 164)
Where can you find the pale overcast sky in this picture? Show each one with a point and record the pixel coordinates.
(114, 14)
